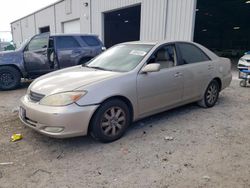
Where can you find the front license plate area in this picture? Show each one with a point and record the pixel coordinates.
(22, 113)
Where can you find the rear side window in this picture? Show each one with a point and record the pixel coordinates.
(64, 42)
(91, 41)
(192, 54)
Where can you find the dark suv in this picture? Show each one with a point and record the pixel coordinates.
(45, 53)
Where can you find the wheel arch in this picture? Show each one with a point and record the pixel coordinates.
(218, 80)
(14, 66)
(119, 97)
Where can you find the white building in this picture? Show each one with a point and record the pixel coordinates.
(112, 20)
(221, 25)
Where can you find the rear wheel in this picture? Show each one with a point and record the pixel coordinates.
(110, 121)
(211, 95)
(243, 83)
(10, 78)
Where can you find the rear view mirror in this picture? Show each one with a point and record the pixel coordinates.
(154, 67)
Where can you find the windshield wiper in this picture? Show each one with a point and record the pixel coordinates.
(98, 68)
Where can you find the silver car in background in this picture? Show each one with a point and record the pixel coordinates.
(128, 82)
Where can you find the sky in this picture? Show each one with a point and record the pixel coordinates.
(11, 10)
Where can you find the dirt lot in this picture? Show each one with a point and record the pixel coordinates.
(210, 148)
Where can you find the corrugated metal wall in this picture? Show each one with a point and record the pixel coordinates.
(180, 19)
(160, 19)
(16, 30)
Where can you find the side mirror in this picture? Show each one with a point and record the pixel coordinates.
(154, 67)
(104, 48)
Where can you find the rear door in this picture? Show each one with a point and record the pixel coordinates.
(197, 72)
(36, 55)
(93, 45)
(68, 51)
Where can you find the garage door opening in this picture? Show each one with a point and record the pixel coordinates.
(223, 26)
(122, 25)
(44, 29)
(72, 26)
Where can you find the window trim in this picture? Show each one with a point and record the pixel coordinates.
(181, 57)
(161, 46)
(26, 49)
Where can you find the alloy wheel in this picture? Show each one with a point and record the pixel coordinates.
(212, 94)
(6, 79)
(113, 120)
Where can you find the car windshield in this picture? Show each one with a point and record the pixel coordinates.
(121, 58)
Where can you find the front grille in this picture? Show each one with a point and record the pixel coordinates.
(35, 97)
(242, 66)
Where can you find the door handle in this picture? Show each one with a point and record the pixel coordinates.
(77, 52)
(210, 67)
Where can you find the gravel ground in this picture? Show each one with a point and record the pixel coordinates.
(209, 148)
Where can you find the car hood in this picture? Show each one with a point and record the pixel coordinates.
(69, 79)
(9, 56)
(247, 57)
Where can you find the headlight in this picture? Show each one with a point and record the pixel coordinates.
(241, 59)
(62, 99)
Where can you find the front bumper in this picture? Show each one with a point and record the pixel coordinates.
(244, 74)
(57, 122)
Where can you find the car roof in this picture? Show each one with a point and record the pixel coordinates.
(71, 34)
(141, 42)
(157, 42)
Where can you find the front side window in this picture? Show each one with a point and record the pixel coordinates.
(37, 43)
(192, 54)
(66, 42)
(121, 58)
(165, 56)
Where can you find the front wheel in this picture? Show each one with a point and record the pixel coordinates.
(10, 78)
(110, 121)
(211, 95)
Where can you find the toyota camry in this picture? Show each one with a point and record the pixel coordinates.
(128, 82)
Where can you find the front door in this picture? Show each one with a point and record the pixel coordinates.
(163, 89)
(36, 55)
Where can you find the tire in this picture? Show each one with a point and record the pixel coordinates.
(10, 78)
(110, 121)
(211, 95)
(243, 83)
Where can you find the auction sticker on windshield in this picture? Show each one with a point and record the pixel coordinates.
(138, 52)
